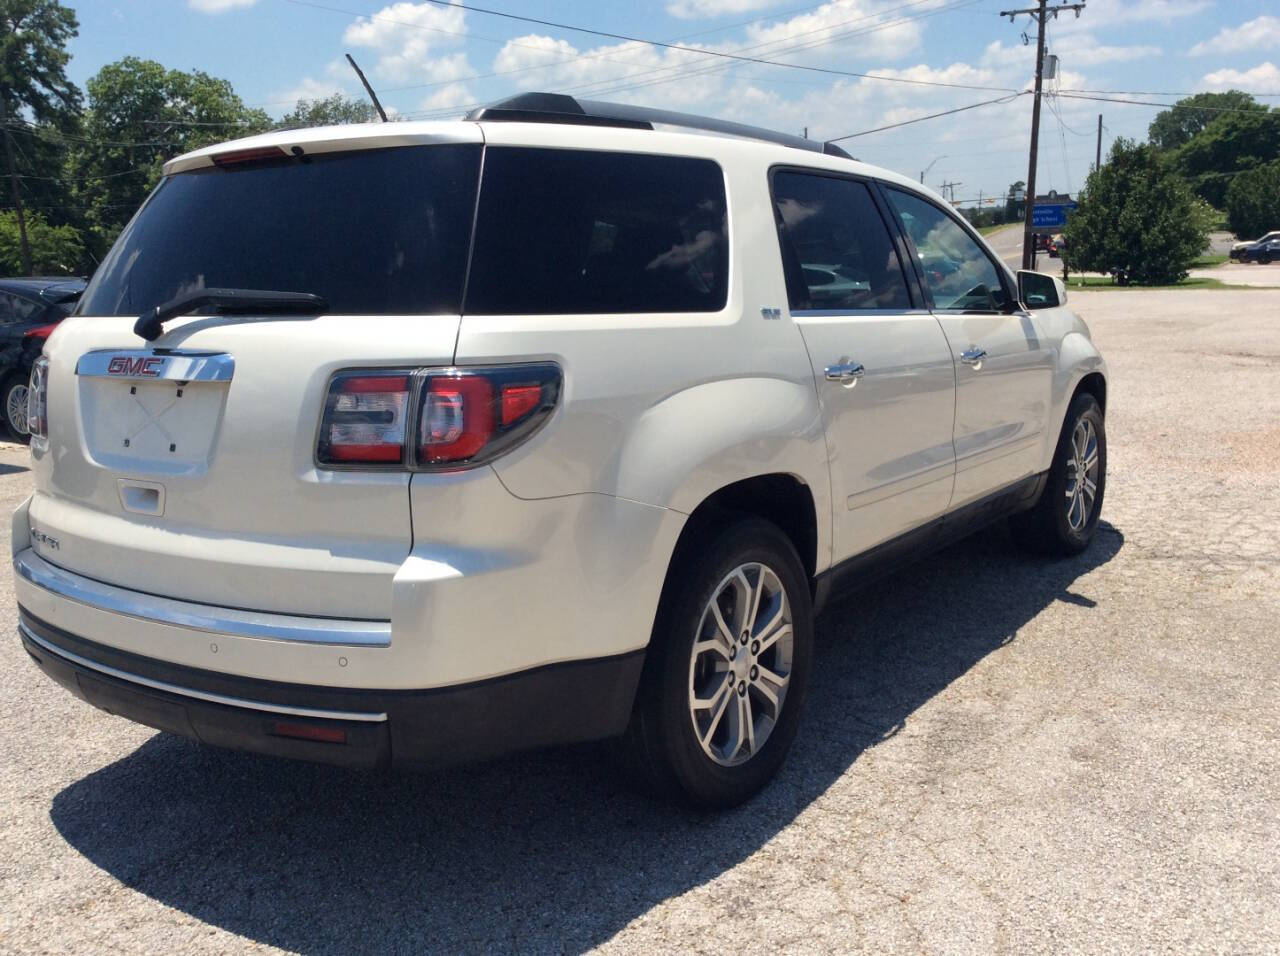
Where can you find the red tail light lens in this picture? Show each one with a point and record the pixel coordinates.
(364, 419)
(458, 417)
(470, 416)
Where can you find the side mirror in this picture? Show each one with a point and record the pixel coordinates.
(1039, 291)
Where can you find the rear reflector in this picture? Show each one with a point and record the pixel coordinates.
(326, 735)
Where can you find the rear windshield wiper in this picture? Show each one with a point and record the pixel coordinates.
(150, 324)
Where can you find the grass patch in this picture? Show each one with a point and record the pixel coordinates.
(1105, 282)
(1209, 260)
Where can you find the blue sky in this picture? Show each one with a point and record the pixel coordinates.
(430, 61)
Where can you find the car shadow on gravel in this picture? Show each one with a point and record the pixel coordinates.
(544, 852)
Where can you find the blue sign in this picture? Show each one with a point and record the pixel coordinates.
(1049, 216)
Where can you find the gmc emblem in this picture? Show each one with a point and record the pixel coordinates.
(142, 367)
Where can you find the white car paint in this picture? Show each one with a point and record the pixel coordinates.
(558, 550)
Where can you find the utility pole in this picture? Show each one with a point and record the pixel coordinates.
(952, 187)
(13, 182)
(1098, 162)
(1038, 13)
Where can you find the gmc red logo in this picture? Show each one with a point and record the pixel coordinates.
(142, 367)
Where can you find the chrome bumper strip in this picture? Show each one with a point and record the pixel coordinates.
(197, 694)
(230, 622)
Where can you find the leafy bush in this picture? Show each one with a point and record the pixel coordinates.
(1253, 201)
(1137, 220)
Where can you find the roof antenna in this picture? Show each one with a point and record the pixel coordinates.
(368, 89)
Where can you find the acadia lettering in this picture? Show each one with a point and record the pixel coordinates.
(142, 367)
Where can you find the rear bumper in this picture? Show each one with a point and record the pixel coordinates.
(555, 704)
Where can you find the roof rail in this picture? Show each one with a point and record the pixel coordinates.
(561, 108)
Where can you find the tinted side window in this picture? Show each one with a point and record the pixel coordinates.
(841, 256)
(8, 309)
(956, 269)
(574, 231)
(379, 231)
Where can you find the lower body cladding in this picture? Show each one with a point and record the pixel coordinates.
(556, 704)
(515, 624)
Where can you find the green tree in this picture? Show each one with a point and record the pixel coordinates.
(54, 250)
(34, 84)
(140, 115)
(1229, 144)
(1253, 201)
(1175, 127)
(1014, 209)
(329, 111)
(1136, 220)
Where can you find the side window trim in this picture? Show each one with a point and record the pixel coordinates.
(791, 256)
(1001, 272)
(921, 295)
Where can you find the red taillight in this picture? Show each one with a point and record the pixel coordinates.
(457, 418)
(40, 331)
(460, 417)
(364, 419)
(518, 401)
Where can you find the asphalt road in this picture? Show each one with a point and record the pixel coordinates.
(998, 755)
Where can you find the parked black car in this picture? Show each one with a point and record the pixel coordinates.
(1263, 253)
(29, 311)
(1239, 249)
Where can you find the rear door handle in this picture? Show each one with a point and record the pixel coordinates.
(973, 356)
(846, 374)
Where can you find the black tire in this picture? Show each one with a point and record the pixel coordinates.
(661, 745)
(1264, 258)
(18, 430)
(1047, 528)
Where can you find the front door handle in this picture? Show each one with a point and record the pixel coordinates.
(846, 374)
(973, 356)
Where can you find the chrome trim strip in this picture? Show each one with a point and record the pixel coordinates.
(229, 622)
(147, 365)
(198, 694)
(855, 313)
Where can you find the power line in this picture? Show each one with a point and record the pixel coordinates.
(1167, 106)
(658, 43)
(921, 119)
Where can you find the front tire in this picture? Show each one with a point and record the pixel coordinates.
(1264, 258)
(1063, 521)
(14, 408)
(727, 669)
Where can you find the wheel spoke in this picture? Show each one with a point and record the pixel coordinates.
(723, 628)
(1090, 488)
(748, 721)
(777, 633)
(714, 645)
(753, 603)
(716, 718)
(709, 703)
(734, 743)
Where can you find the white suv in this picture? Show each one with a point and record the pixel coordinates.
(430, 441)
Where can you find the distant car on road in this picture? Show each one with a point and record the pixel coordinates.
(1238, 250)
(1056, 246)
(1263, 253)
(29, 310)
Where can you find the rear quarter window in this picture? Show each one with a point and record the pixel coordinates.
(573, 231)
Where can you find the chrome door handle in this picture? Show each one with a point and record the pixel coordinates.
(847, 375)
(973, 356)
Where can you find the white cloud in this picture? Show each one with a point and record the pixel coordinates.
(1260, 33)
(1263, 78)
(1083, 49)
(843, 24)
(407, 38)
(218, 6)
(696, 9)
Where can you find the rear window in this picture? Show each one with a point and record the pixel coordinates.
(574, 231)
(380, 231)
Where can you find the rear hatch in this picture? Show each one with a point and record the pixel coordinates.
(187, 467)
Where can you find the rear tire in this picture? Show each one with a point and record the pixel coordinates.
(1063, 521)
(1264, 258)
(13, 406)
(727, 669)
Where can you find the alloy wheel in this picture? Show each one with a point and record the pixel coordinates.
(740, 665)
(16, 409)
(1082, 475)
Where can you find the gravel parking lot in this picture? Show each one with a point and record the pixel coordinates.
(998, 755)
